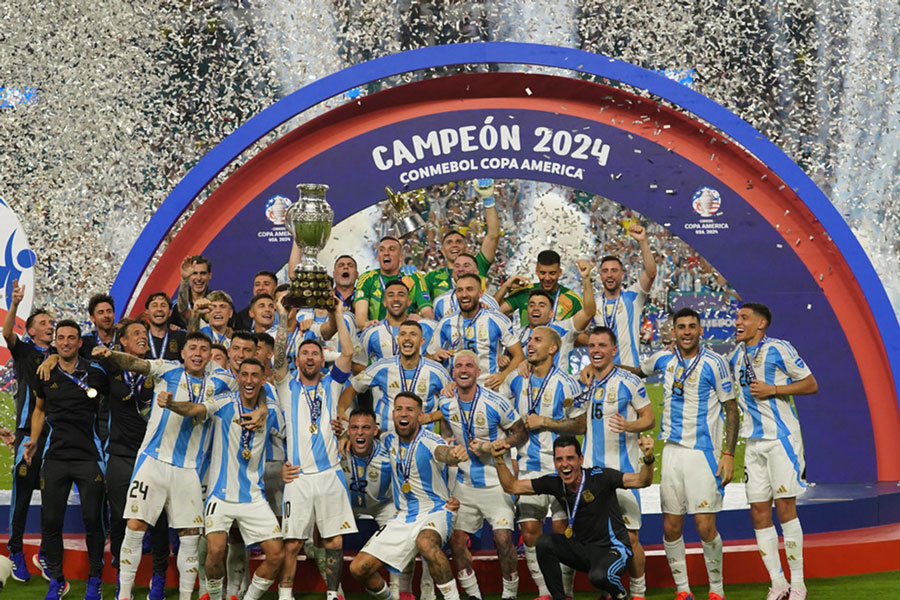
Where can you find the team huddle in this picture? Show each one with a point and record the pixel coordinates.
(417, 400)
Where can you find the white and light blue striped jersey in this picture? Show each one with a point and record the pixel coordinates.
(217, 338)
(774, 362)
(486, 334)
(387, 378)
(275, 449)
(620, 392)
(426, 476)
(368, 477)
(447, 303)
(692, 415)
(380, 341)
(171, 438)
(486, 418)
(552, 396)
(331, 348)
(623, 315)
(308, 411)
(567, 334)
(234, 476)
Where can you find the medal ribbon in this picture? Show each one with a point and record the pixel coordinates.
(687, 370)
(360, 486)
(534, 402)
(555, 304)
(395, 348)
(523, 340)
(406, 466)
(196, 399)
(162, 351)
(571, 513)
(460, 322)
(112, 343)
(609, 319)
(79, 382)
(135, 383)
(315, 405)
(749, 360)
(246, 434)
(411, 386)
(468, 421)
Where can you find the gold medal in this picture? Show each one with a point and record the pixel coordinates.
(91, 393)
(588, 496)
(678, 385)
(569, 532)
(567, 403)
(246, 454)
(313, 429)
(406, 487)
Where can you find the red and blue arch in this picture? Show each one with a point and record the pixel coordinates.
(785, 244)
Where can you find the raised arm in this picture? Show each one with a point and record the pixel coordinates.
(583, 317)
(294, 259)
(126, 362)
(649, 273)
(644, 477)
(361, 312)
(344, 362)
(201, 309)
(279, 358)
(183, 305)
(485, 189)
(514, 282)
(510, 484)
(9, 323)
(345, 403)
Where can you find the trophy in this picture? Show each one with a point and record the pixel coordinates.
(408, 221)
(309, 221)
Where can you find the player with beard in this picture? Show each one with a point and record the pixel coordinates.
(102, 312)
(217, 309)
(165, 340)
(540, 314)
(369, 305)
(453, 244)
(768, 371)
(69, 403)
(409, 371)
(620, 309)
(417, 459)
(196, 271)
(545, 398)
(475, 417)
(618, 410)
(318, 498)
(262, 314)
(484, 332)
(698, 393)
(27, 355)
(236, 496)
(446, 303)
(380, 340)
(166, 473)
(594, 540)
(264, 282)
(513, 295)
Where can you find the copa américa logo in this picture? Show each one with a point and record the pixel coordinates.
(16, 264)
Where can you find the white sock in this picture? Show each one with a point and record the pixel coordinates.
(214, 588)
(712, 555)
(638, 586)
(675, 554)
(333, 594)
(767, 543)
(258, 587)
(535, 570)
(383, 594)
(426, 585)
(396, 585)
(510, 586)
(187, 565)
(568, 577)
(448, 590)
(237, 561)
(129, 560)
(202, 548)
(469, 582)
(793, 548)
(285, 593)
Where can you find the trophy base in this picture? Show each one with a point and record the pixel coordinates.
(310, 289)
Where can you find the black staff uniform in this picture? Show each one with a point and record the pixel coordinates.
(169, 345)
(73, 455)
(27, 357)
(599, 544)
(130, 399)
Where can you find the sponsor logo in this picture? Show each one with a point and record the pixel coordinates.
(703, 504)
(346, 525)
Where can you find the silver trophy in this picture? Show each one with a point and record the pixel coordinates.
(309, 221)
(408, 221)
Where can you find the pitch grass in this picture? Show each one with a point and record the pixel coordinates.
(875, 586)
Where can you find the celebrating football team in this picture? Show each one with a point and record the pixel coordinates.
(420, 401)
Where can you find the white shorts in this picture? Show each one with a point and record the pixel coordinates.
(255, 519)
(273, 485)
(395, 543)
(317, 499)
(535, 507)
(156, 486)
(688, 483)
(382, 513)
(479, 504)
(774, 468)
(630, 506)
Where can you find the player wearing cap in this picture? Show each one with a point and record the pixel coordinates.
(767, 372)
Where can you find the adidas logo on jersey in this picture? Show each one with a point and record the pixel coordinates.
(98, 478)
(394, 386)
(198, 519)
(346, 525)
(703, 504)
(781, 490)
(502, 521)
(54, 386)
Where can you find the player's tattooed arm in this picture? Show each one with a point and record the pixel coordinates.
(726, 461)
(575, 425)
(279, 361)
(451, 455)
(516, 434)
(126, 362)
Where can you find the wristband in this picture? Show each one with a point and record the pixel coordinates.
(489, 202)
(728, 454)
(649, 460)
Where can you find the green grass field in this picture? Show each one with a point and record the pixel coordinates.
(876, 586)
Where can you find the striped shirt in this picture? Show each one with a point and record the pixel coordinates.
(426, 476)
(622, 314)
(447, 303)
(368, 477)
(486, 334)
(567, 335)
